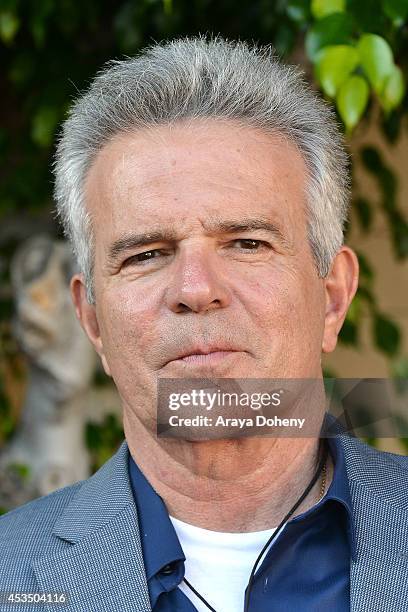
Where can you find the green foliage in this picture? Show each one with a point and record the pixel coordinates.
(393, 89)
(6, 421)
(103, 439)
(400, 369)
(298, 11)
(323, 8)
(336, 29)
(349, 332)
(352, 100)
(364, 212)
(333, 65)
(387, 335)
(168, 6)
(43, 126)
(350, 50)
(388, 188)
(400, 374)
(9, 24)
(396, 10)
(21, 470)
(376, 59)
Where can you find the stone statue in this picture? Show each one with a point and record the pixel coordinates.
(48, 450)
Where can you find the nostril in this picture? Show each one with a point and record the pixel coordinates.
(182, 307)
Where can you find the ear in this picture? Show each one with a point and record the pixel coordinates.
(340, 288)
(86, 314)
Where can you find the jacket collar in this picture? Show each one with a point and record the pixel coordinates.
(101, 564)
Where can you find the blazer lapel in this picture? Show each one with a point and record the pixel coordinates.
(101, 564)
(379, 571)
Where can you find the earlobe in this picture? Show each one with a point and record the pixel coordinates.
(86, 314)
(340, 288)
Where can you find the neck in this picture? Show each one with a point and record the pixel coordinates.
(237, 485)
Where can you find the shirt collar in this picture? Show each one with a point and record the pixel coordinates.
(339, 489)
(160, 544)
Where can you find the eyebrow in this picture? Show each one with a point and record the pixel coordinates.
(133, 240)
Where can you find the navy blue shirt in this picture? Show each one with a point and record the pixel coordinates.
(307, 568)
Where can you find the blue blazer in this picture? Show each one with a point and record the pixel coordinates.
(84, 539)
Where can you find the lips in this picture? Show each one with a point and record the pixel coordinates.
(212, 350)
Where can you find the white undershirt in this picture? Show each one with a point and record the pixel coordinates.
(218, 565)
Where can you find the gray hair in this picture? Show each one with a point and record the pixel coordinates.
(198, 78)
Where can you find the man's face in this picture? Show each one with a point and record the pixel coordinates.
(220, 262)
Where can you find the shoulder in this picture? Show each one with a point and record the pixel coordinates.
(358, 453)
(46, 527)
(381, 474)
(26, 533)
(40, 512)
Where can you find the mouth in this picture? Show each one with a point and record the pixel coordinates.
(208, 356)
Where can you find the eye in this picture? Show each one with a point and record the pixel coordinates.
(248, 244)
(142, 258)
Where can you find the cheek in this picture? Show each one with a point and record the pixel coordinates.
(129, 324)
(287, 306)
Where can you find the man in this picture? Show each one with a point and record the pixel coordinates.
(204, 189)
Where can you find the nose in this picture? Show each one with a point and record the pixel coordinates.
(197, 283)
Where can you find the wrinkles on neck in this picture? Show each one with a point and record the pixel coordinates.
(233, 485)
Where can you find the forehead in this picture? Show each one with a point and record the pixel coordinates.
(191, 171)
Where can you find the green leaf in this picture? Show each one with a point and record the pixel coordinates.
(354, 311)
(376, 59)
(391, 124)
(92, 436)
(399, 232)
(9, 24)
(393, 91)
(22, 68)
(38, 22)
(20, 469)
(335, 29)
(334, 65)
(352, 100)
(349, 333)
(396, 10)
(371, 441)
(368, 15)
(7, 426)
(43, 126)
(399, 371)
(285, 38)
(364, 213)
(400, 367)
(387, 335)
(322, 8)
(366, 271)
(366, 294)
(371, 160)
(298, 10)
(168, 6)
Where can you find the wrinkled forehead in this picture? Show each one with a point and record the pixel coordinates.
(192, 172)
